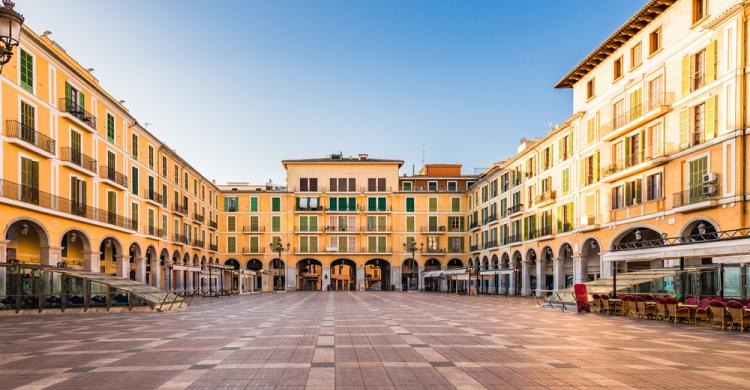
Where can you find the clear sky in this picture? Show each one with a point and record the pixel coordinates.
(237, 86)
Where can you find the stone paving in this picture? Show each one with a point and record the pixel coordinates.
(369, 340)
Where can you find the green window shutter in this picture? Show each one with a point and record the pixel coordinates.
(433, 223)
(314, 244)
(684, 129)
(638, 191)
(381, 204)
(332, 204)
(342, 204)
(381, 244)
(135, 180)
(352, 204)
(371, 204)
(276, 204)
(410, 224)
(433, 204)
(254, 223)
(456, 205)
(461, 223)
(303, 245)
(83, 100)
(226, 204)
(313, 223)
(254, 204)
(296, 203)
(276, 223)
(381, 224)
(410, 204)
(230, 224)
(27, 71)
(371, 244)
(303, 223)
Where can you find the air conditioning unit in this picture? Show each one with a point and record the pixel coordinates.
(442, 228)
(709, 189)
(332, 249)
(710, 178)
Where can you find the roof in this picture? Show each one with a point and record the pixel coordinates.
(342, 160)
(635, 24)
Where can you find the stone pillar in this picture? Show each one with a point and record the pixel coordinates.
(541, 277)
(443, 280)
(123, 266)
(140, 269)
(361, 279)
(326, 278)
(91, 261)
(605, 268)
(420, 279)
(50, 255)
(3, 270)
(179, 277)
(291, 279)
(241, 282)
(525, 278)
(395, 279)
(189, 282)
(558, 274)
(579, 274)
(265, 281)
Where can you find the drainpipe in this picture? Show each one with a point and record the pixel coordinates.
(743, 116)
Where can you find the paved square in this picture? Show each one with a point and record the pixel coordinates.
(364, 341)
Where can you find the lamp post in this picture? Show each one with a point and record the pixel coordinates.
(411, 246)
(279, 247)
(10, 31)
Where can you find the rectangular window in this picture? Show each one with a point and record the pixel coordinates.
(27, 71)
(134, 146)
(433, 204)
(410, 205)
(134, 213)
(275, 205)
(590, 89)
(432, 223)
(276, 223)
(654, 186)
(254, 227)
(231, 204)
(254, 205)
(406, 186)
(29, 180)
(452, 186)
(432, 186)
(164, 166)
(699, 10)
(409, 223)
(110, 128)
(699, 67)
(151, 157)
(455, 205)
(636, 53)
(231, 244)
(134, 179)
(617, 69)
(231, 223)
(696, 170)
(28, 123)
(654, 41)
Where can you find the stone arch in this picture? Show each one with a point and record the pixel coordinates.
(495, 262)
(432, 264)
(565, 256)
(254, 265)
(699, 229)
(75, 250)
(195, 259)
(590, 260)
(485, 263)
(455, 263)
(278, 270)
(234, 263)
(505, 261)
(343, 275)
(186, 259)
(409, 274)
(28, 241)
(309, 274)
(636, 237)
(137, 267)
(153, 271)
(378, 274)
(109, 251)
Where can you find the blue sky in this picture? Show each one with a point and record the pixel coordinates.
(275, 79)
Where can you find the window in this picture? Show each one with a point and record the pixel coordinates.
(654, 186)
(699, 10)
(164, 225)
(151, 157)
(636, 53)
(698, 129)
(134, 179)
(697, 168)
(654, 41)
(376, 244)
(617, 65)
(455, 244)
(591, 129)
(27, 70)
(28, 122)
(308, 223)
(432, 186)
(134, 213)
(453, 186)
(376, 204)
(342, 185)
(254, 244)
(231, 244)
(409, 223)
(566, 181)
(410, 205)
(632, 193)
(455, 205)
(164, 166)
(308, 184)
(231, 223)
(376, 184)
(432, 223)
(134, 146)
(456, 224)
(376, 223)
(636, 107)
(185, 180)
(493, 188)
(433, 204)
(699, 67)
(308, 244)
(254, 227)
(590, 89)
(655, 94)
(176, 174)
(275, 204)
(547, 158)
(29, 180)
(406, 186)
(254, 205)
(342, 203)
(618, 113)
(565, 147)
(110, 128)
(276, 223)
(231, 204)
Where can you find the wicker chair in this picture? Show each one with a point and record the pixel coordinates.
(719, 315)
(629, 308)
(661, 310)
(740, 317)
(608, 307)
(645, 311)
(701, 313)
(596, 304)
(674, 311)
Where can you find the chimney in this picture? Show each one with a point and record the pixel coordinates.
(363, 156)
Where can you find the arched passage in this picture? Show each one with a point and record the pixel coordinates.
(137, 267)
(545, 270)
(700, 229)
(256, 266)
(28, 242)
(530, 277)
(515, 280)
(566, 261)
(309, 275)
(637, 238)
(75, 248)
(377, 275)
(277, 268)
(590, 268)
(455, 263)
(152, 267)
(409, 275)
(165, 277)
(343, 275)
(109, 251)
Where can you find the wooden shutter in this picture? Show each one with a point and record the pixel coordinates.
(371, 185)
(710, 127)
(582, 175)
(371, 204)
(381, 204)
(596, 169)
(332, 184)
(352, 204)
(303, 226)
(638, 191)
(684, 129)
(303, 184)
(332, 204)
(352, 184)
(711, 61)
(641, 145)
(381, 184)
(314, 184)
(685, 75)
(313, 223)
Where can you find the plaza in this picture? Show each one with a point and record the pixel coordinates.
(364, 340)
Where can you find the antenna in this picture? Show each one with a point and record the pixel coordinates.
(422, 154)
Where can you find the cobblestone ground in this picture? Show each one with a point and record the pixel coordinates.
(362, 341)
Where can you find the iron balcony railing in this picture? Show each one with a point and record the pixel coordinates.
(473, 225)
(490, 244)
(153, 195)
(34, 196)
(431, 189)
(180, 238)
(564, 227)
(490, 218)
(733, 234)
(253, 229)
(199, 217)
(432, 229)
(434, 251)
(178, 208)
(473, 248)
(545, 196)
(214, 224)
(513, 238)
(18, 130)
(72, 108)
(516, 208)
(340, 228)
(544, 231)
(198, 243)
(76, 157)
(154, 231)
(696, 194)
(213, 247)
(111, 174)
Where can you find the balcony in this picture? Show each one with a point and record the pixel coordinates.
(704, 195)
(178, 208)
(564, 227)
(432, 229)
(434, 251)
(154, 231)
(473, 225)
(513, 238)
(179, 238)
(341, 229)
(78, 159)
(545, 231)
(377, 229)
(378, 210)
(112, 175)
(252, 250)
(213, 247)
(515, 209)
(19, 131)
(437, 189)
(490, 244)
(545, 198)
(306, 229)
(473, 248)
(199, 217)
(213, 224)
(253, 229)
(630, 164)
(310, 209)
(490, 219)
(153, 196)
(198, 243)
(34, 196)
(78, 112)
(637, 116)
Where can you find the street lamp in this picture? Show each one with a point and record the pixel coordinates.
(10, 31)
(411, 246)
(279, 247)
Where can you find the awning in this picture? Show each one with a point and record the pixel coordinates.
(248, 272)
(432, 274)
(491, 273)
(700, 249)
(186, 268)
(450, 272)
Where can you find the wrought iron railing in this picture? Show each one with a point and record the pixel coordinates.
(153, 195)
(154, 231)
(18, 130)
(516, 208)
(72, 108)
(696, 194)
(733, 234)
(76, 157)
(110, 173)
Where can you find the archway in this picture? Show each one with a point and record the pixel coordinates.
(28, 242)
(343, 275)
(109, 250)
(277, 268)
(531, 279)
(409, 275)
(700, 229)
(377, 275)
(566, 260)
(234, 281)
(495, 262)
(590, 268)
(75, 246)
(136, 267)
(637, 238)
(257, 266)
(546, 274)
(152, 269)
(432, 283)
(165, 277)
(455, 263)
(309, 275)
(515, 282)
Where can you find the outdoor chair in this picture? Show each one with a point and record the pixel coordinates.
(645, 311)
(719, 315)
(701, 313)
(596, 304)
(629, 307)
(607, 306)
(675, 312)
(740, 317)
(661, 310)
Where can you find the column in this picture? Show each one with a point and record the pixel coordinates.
(123, 266)
(291, 279)
(167, 276)
(579, 275)
(326, 278)
(395, 279)
(420, 279)
(361, 279)
(541, 277)
(265, 282)
(189, 282)
(558, 274)
(50, 255)
(140, 270)
(241, 282)
(443, 280)
(605, 268)
(91, 261)
(525, 278)
(179, 282)
(3, 270)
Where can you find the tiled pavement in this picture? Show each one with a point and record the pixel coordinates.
(364, 340)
